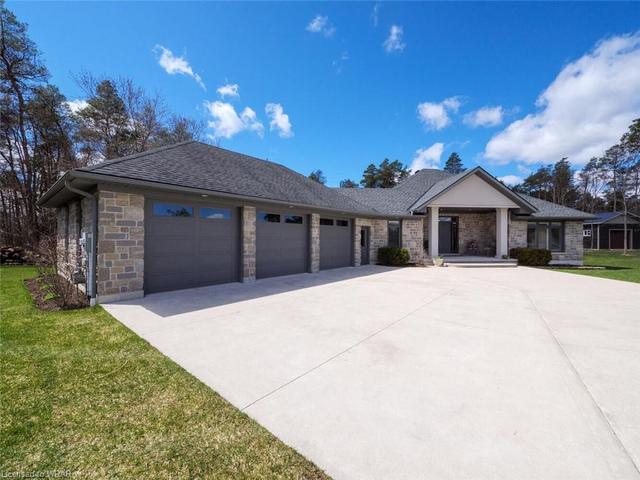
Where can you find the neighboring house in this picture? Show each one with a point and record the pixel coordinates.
(606, 231)
(192, 214)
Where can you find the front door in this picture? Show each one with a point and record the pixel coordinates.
(448, 235)
(364, 245)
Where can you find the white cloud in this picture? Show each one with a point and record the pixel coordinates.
(394, 42)
(435, 116)
(320, 24)
(585, 110)
(173, 64)
(510, 180)
(374, 14)
(427, 157)
(279, 120)
(76, 105)
(229, 90)
(484, 117)
(226, 122)
(523, 169)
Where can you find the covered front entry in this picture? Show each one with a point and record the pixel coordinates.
(282, 243)
(189, 244)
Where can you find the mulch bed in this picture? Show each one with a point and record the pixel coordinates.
(38, 292)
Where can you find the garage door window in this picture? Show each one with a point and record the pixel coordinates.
(269, 217)
(172, 210)
(342, 223)
(293, 219)
(215, 213)
(326, 221)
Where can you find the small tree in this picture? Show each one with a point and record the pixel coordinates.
(348, 183)
(318, 176)
(454, 164)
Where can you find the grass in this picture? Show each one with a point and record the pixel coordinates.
(616, 265)
(82, 394)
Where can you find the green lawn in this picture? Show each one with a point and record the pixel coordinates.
(81, 393)
(617, 266)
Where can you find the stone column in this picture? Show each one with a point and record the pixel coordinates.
(502, 221)
(434, 213)
(357, 253)
(314, 242)
(120, 269)
(248, 244)
(412, 236)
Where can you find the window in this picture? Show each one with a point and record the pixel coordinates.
(342, 223)
(548, 235)
(215, 213)
(269, 217)
(393, 227)
(172, 210)
(326, 221)
(293, 219)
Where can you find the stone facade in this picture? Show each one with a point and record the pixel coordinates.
(120, 246)
(73, 220)
(62, 240)
(314, 242)
(517, 234)
(478, 228)
(573, 245)
(379, 238)
(248, 235)
(412, 239)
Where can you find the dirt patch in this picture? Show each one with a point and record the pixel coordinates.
(45, 299)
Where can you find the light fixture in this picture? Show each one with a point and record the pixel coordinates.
(204, 196)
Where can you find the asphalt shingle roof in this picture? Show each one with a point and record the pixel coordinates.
(198, 165)
(553, 210)
(604, 217)
(202, 166)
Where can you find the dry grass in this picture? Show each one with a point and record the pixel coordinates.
(81, 393)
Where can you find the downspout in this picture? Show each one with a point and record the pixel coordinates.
(91, 281)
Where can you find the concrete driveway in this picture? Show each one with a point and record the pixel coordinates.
(439, 373)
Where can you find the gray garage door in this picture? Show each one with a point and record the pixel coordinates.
(281, 243)
(189, 245)
(335, 243)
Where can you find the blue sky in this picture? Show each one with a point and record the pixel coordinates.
(337, 86)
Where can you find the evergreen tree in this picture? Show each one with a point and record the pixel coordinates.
(454, 164)
(348, 183)
(318, 176)
(386, 175)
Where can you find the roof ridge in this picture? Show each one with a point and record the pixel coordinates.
(132, 156)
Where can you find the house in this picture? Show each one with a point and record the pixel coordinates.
(606, 231)
(192, 214)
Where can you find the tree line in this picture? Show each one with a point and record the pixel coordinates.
(42, 134)
(607, 183)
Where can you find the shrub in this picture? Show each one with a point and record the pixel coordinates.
(532, 257)
(393, 256)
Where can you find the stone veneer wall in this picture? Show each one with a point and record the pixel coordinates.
(412, 238)
(517, 234)
(478, 227)
(378, 239)
(573, 244)
(248, 234)
(314, 242)
(62, 238)
(120, 245)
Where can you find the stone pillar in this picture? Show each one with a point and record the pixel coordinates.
(248, 244)
(120, 268)
(357, 254)
(314, 243)
(502, 221)
(74, 236)
(412, 236)
(434, 217)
